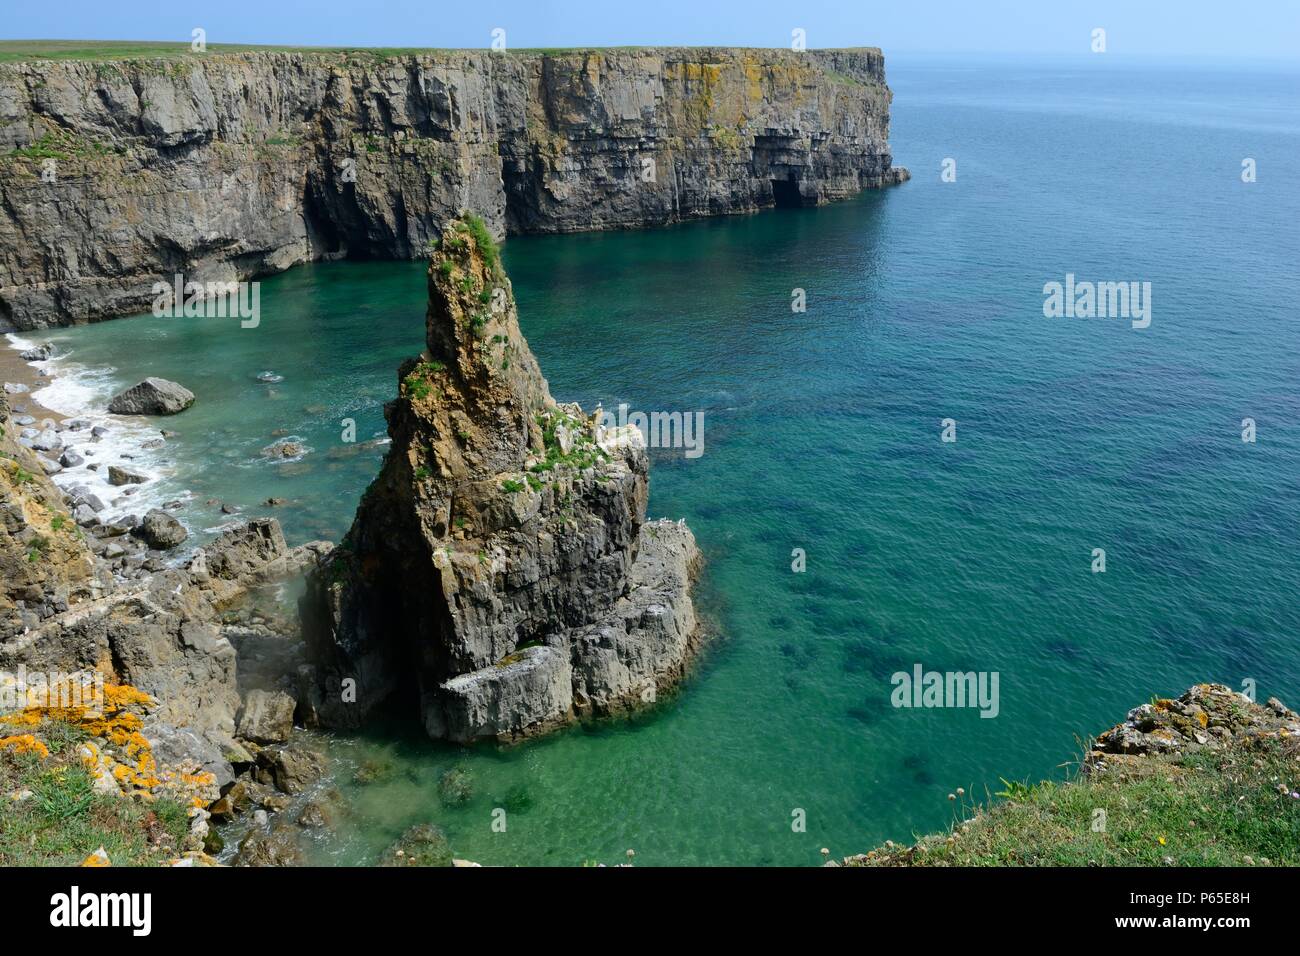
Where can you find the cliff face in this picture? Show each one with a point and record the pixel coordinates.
(227, 166)
(500, 577)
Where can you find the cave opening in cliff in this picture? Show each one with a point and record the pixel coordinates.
(785, 193)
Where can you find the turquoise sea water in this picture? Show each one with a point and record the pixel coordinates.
(822, 432)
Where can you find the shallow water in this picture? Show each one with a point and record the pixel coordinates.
(822, 432)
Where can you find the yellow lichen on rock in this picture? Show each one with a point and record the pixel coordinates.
(97, 859)
(25, 744)
(119, 757)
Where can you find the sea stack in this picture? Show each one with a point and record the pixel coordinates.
(500, 578)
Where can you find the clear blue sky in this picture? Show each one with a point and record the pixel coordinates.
(1197, 28)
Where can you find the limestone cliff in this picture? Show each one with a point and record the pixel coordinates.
(500, 577)
(115, 175)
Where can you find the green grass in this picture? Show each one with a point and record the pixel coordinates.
(584, 453)
(64, 819)
(15, 51)
(62, 145)
(20, 50)
(37, 548)
(1212, 808)
(487, 246)
(418, 383)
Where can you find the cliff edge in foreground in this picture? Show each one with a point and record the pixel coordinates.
(1207, 779)
(500, 577)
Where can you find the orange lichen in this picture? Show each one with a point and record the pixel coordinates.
(119, 751)
(112, 721)
(97, 859)
(25, 744)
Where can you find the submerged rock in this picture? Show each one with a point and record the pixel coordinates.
(421, 845)
(284, 449)
(507, 574)
(153, 396)
(277, 848)
(455, 787)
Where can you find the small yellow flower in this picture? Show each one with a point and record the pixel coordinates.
(1162, 841)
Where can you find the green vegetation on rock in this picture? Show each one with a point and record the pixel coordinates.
(1209, 779)
(52, 815)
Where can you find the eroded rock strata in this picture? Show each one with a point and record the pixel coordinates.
(117, 175)
(500, 577)
(93, 598)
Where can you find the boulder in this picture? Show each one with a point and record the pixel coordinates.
(289, 769)
(161, 531)
(89, 499)
(315, 815)
(47, 440)
(153, 396)
(503, 700)
(277, 848)
(117, 475)
(267, 717)
(188, 751)
(39, 353)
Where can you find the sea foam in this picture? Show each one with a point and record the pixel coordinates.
(77, 391)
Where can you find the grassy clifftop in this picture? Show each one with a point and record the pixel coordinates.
(1207, 779)
(13, 51)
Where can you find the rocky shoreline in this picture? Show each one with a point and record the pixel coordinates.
(186, 716)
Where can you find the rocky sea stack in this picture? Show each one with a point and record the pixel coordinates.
(500, 578)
